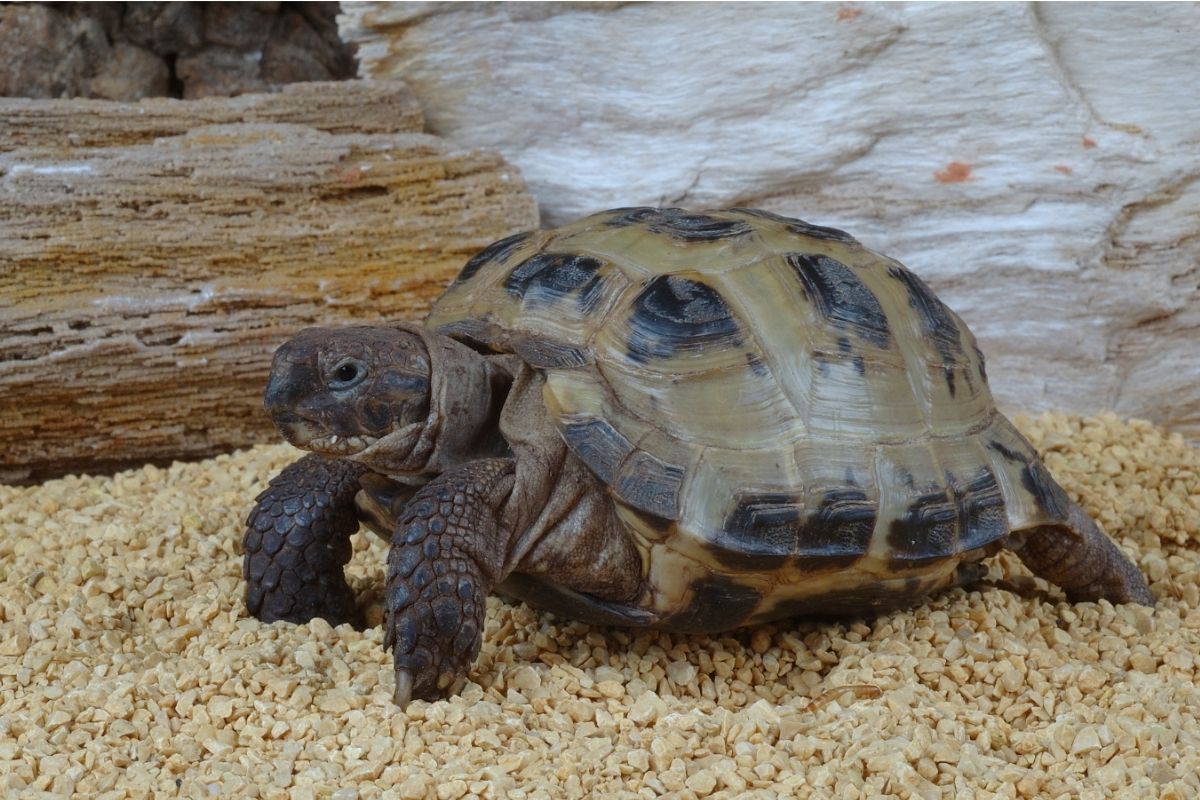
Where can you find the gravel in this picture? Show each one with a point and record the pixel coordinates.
(128, 668)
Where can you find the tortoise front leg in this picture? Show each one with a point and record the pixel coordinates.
(448, 551)
(298, 542)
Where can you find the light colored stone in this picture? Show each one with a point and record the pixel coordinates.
(524, 678)
(647, 708)
(681, 672)
(702, 782)
(1036, 163)
(1086, 740)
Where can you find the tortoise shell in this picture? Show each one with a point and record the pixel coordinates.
(759, 395)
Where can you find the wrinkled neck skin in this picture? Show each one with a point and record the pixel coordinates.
(466, 393)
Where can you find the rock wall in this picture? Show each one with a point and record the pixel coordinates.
(127, 51)
(153, 255)
(1039, 164)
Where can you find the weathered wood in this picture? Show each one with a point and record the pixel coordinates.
(1035, 162)
(149, 268)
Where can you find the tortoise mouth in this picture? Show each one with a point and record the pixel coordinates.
(336, 445)
(309, 435)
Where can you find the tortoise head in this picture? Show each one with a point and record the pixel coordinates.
(336, 391)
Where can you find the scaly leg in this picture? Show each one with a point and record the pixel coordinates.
(298, 542)
(448, 551)
(1087, 564)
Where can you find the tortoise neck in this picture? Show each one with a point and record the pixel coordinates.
(466, 394)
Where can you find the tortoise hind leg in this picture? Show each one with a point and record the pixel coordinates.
(1077, 556)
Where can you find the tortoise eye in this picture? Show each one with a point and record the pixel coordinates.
(348, 373)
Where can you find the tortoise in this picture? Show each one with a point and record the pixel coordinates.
(653, 417)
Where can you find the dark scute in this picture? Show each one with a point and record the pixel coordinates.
(756, 364)
(546, 278)
(718, 604)
(762, 532)
(801, 227)
(938, 524)
(651, 485)
(598, 445)
(679, 224)
(631, 215)
(841, 297)
(765, 530)
(948, 372)
(546, 354)
(1049, 495)
(839, 532)
(673, 314)
(496, 251)
(926, 531)
(935, 317)
(981, 509)
(1010, 455)
(982, 364)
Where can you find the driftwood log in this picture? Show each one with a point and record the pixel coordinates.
(153, 255)
(1037, 163)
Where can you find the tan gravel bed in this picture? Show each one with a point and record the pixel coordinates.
(128, 668)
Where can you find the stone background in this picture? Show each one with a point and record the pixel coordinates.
(127, 51)
(1038, 164)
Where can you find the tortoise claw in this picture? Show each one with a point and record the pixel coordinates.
(404, 686)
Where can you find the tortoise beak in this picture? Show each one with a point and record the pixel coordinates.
(286, 392)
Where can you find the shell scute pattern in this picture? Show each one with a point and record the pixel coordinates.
(840, 297)
(679, 224)
(760, 393)
(765, 531)
(677, 314)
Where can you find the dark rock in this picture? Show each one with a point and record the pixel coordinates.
(241, 26)
(297, 52)
(164, 28)
(130, 74)
(46, 53)
(219, 72)
(126, 51)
